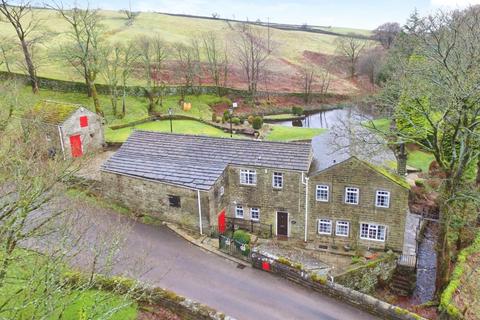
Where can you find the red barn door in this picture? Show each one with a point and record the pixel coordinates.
(222, 226)
(76, 146)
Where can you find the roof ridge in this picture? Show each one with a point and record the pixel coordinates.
(220, 138)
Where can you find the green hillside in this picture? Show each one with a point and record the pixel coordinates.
(289, 46)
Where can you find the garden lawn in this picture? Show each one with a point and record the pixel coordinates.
(282, 133)
(283, 116)
(26, 272)
(420, 159)
(179, 126)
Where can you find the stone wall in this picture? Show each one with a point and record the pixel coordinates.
(291, 198)
(354, 173)
(183, 307)
(149, 197)
(366, 277)
(358, 299)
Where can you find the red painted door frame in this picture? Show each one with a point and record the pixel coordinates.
(76, 146)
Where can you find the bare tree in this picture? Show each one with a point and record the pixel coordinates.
(131, 15)
(7, 52)
(350, 48)
(23, 19)
(152, 54)
(117, 65)
(217, 60)
(370, 63)
(387, 33)
(308, 77)
(186, 66)
(253, 50)
(84, 51)
(197, 62)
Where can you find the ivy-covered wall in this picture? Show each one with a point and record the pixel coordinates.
(461, 274)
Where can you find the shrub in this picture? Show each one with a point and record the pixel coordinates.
(226, 116)
(257, 123)
(250, 119)
(298, 111)
(320, 279)
(236, 121)
(356, 259)
(214, 117)
(284, 261)
(419, 183)
(241, 236)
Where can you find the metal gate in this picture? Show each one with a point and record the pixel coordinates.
(234, 248)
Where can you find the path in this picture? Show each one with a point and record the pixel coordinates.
(180, 266)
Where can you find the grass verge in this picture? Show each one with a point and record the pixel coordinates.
(282, 133)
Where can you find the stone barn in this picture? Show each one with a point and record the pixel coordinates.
(72, 130)
(203, 182)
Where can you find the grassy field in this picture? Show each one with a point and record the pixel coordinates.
(136, 106)
(289, 46)
(179, 126)
(281, 133)
(416, 158)
(23, 273)
(419, 159)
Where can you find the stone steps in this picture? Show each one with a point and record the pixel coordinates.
(403, 281)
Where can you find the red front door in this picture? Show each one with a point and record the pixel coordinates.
(222, 226)
(76, 146)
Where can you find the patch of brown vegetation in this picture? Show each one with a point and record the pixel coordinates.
(156, 313)
(423, 201)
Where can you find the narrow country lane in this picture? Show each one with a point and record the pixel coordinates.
(171, 262)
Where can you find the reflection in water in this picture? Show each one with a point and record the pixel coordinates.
(323, 119)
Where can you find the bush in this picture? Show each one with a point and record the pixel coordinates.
(298, 111)
(250, 119)
(419, 183)
(214, 117)
(236, 121)
(241, 236)
(226, 116)
(284, 261)
(257, 123)
(320, 279)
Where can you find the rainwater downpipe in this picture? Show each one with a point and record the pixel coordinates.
(60, 133)
(199, 212)
(305, 182)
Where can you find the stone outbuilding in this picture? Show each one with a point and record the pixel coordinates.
(71, 129)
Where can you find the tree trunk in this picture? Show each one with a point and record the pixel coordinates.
(30, 67)
(124, 104)
(87, 82)
(96, 102)
(7, 65)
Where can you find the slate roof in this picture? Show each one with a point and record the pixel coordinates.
(198, 161)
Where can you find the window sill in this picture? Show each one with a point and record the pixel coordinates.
(374, 240)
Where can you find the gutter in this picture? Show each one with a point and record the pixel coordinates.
(305, 182)
(199, 212)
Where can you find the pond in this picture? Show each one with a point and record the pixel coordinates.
(322, 119)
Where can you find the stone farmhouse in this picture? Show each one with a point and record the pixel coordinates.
(71, 129)
(202, 182)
